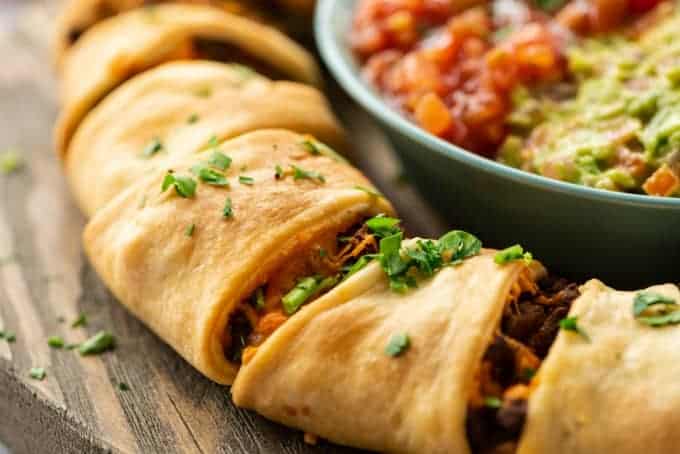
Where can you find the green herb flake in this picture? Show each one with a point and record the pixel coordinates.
(279, 172)
(258, 298)
(193, 118)
(248, 181)
(383, 226)
(213, 141)
(227, 211)
(154, 147)
(492, 402)
(369, 191)
(10, 162)
(528, 373)
(184, 186)
(398, 345)
(189, 231)
(511, 253)
(37, 373)
(220, 160)
(458, 245)
(323, 252)
(571, 324)
(655, 310)
(304, 289)
(123, 386)
(10, 338)
(80, 321)
(55, 342)
(209, 176)
(302, 174)
(311, 145)
(99, 343)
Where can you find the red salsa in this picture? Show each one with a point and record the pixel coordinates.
(451, 67)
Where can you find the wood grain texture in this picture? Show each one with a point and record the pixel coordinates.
(46, 282)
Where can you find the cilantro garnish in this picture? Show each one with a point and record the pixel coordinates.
(279, 172)
(189, 231)
(55, 342)
(493, 402)
(80, 321)
(383, 226)
(302, 174)
(10, 162)
(184, 186)
(154, 147)
(511, 253)
(571, 324)
(99, 343)
(227, 211)
(37, 373)
(193, 118)
(667, 310)
(209, 176)
(398, 344)
(219, 160)
(248, 181)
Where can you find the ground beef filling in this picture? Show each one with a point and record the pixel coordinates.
(530, 324)
(257, 317)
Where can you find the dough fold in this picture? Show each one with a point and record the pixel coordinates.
(179, 107)
(617, 393)
(325, 371)
(186, 286)
(116, 49)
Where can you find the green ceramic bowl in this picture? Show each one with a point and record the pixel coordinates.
(626, 240)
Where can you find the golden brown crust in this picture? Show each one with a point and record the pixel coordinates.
(325, 370)
(182, 105)
(185, 288)
(118, 48)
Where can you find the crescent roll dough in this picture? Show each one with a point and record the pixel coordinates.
(617, 393)
(325, 370)
(182, 105)
(185, 287)
(118, 48)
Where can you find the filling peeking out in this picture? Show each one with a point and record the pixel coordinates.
(301, 280)
(531, 321)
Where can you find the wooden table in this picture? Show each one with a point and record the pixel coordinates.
(46, 282)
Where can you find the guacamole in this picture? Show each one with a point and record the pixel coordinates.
(616, 124)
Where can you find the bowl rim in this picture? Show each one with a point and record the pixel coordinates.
(339, 60)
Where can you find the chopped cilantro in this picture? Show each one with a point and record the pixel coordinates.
(99, 343)
(80, 321)
(302, 174)
(55, 342)
(219, 160)
(227, 211)
(369, 191)
(511, 253)
(279, 172)
(10, 338)
(258, 298)
(154, 147)
(571, 324)
(383, 226)
(492, 402)
(398, 344)
(123, 386)
(184, 186)
(310, 144)
(213, 141)
(209, 176)
(37, 373)
(668, 312)
(248, 181)
(193, 118)
(189, 231)
(10, 162)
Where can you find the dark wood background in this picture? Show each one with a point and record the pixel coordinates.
(46, 282)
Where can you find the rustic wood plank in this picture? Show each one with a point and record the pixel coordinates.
(45, 283)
